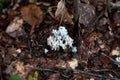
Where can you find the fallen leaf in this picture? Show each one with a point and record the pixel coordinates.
(73, 63)
(32, 1)
(104, 60)
(16, 24)
(61, 63)
(33, 15)
(15, 27)
(78, 76)
(86, 13)
(54, 76)
(115, 51)
(91, 36)
(11, 14)
(117, 18)
(62, 13)
(22, 69)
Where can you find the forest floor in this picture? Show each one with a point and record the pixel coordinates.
(91, 50)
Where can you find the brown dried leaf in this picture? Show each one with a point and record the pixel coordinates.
(86, 13)
(21, 69)
(91, 36)
(78, 76)
(62, 13)
(32, 1)
(104, 60)
(61, 63)
(33, 15)
(55, 76)
(11, 14)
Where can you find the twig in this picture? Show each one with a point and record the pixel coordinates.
(117, 63)
(49, 70)
(77, 71)
(102, 70)
(76, 9)
(90, 74)
(96, 75)
(107, 70)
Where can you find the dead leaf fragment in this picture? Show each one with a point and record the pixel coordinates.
(70, 63)
(86, 13)
(61, 63)
(104, 60)
(55, 76)
(11, 14)
(32, 14)
(62, 13)
(21, 69)
(73, 63)
(115, 51)
(32, 1)
(117, 18)
(15, 27)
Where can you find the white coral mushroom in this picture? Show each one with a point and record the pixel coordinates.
(60, 38)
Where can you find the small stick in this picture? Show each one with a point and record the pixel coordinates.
(80, 71)
(117, 63)
(32, 30)
(96, 75)
(76, 9)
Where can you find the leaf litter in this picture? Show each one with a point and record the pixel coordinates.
(26, 25)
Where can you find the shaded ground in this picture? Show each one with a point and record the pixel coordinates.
(95, 31)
